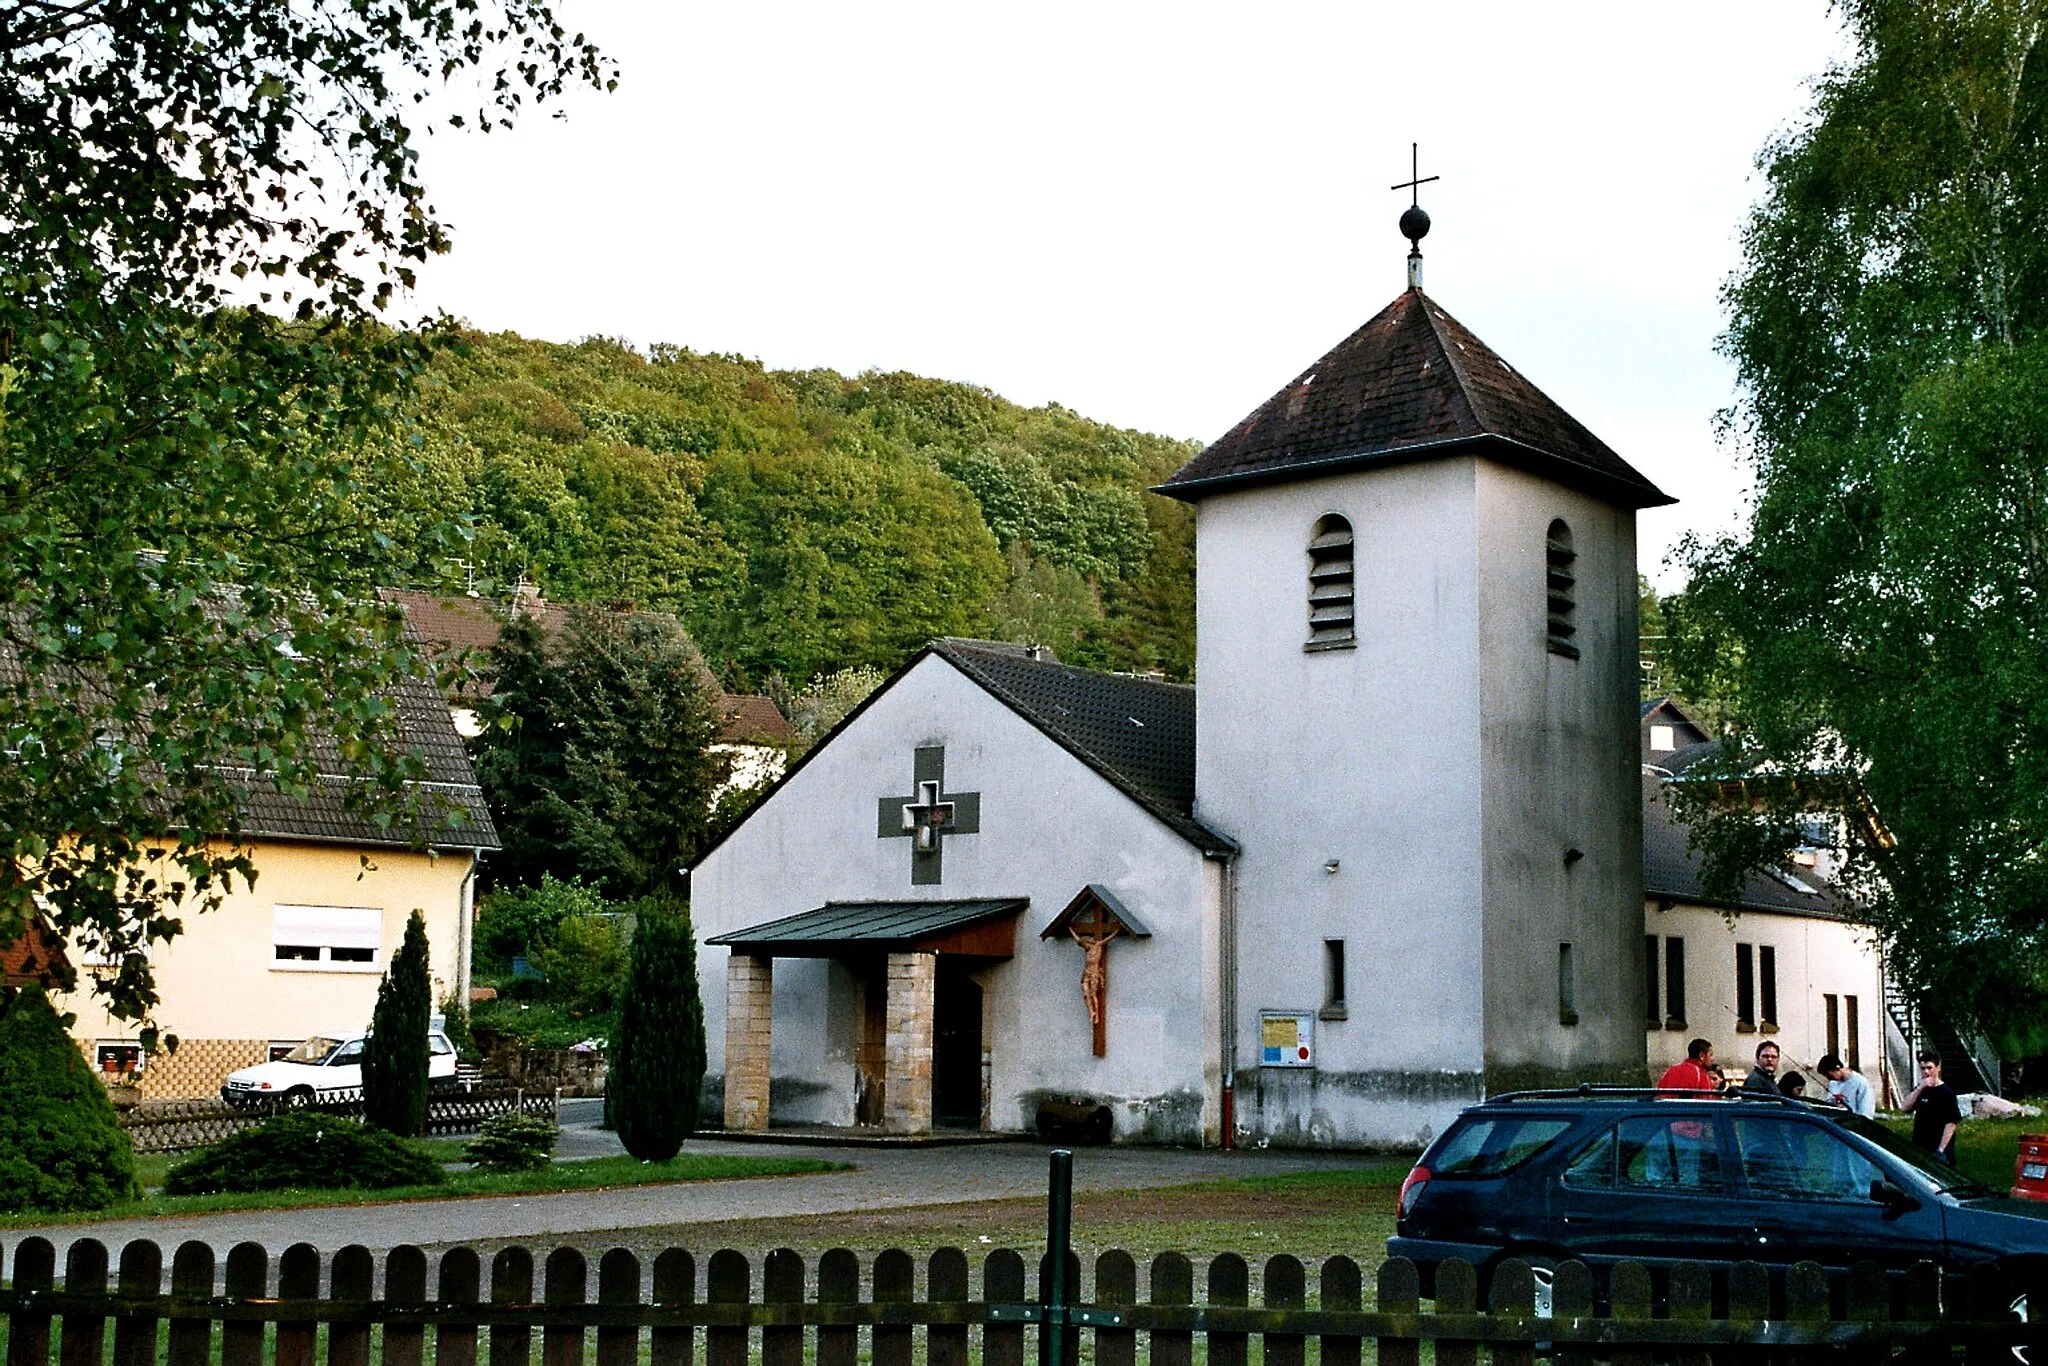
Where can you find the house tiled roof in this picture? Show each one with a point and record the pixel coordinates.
(1138, 733)
(750, 719)
(466, 629)
(1411, 384)
(36, 956)
(1671, 871)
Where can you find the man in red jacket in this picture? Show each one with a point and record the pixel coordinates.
(1696, 1073)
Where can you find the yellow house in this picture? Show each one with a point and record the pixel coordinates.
(302, 950)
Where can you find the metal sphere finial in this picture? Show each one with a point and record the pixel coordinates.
(1415, 223)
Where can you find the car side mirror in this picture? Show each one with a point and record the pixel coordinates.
(1891, 1197)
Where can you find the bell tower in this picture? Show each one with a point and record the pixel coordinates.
(1416, 714)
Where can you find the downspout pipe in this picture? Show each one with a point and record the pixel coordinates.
(1227, 988)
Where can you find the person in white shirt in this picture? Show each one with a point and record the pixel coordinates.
(1849, 1089)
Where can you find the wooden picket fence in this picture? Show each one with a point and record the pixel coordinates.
(840, 1312)
(169, 1126)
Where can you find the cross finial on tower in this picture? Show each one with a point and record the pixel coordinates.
(1414, 222)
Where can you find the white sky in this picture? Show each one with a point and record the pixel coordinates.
(1155, 214)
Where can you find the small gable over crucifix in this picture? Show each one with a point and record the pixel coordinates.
(1091, 920)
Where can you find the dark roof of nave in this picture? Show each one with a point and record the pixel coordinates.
(1138, 733)
(1412, 384)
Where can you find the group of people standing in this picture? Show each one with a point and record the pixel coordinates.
(1933, 1103)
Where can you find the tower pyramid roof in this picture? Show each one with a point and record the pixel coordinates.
(1412, 384)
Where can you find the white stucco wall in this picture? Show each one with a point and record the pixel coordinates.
(1815, 958)
(1049, 825)
(1559, 740)
(1369, 756)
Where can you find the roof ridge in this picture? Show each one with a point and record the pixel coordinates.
(1461, 387)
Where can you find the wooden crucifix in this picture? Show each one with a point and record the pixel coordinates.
(1091, 920)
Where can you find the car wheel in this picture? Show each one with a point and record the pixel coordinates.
(298, 1098)
(2020, 1307)
(1544, 1272)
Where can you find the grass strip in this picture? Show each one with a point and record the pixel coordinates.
(595, 1174)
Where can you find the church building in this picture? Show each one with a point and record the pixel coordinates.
(1387, 859)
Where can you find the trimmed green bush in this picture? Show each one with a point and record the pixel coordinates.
(513, 1142)
(395, 1054)
(61, 1147)
(304, 1150)
(657, 1060)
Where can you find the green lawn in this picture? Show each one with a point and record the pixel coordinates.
(562, 1176)
(1986, 1148)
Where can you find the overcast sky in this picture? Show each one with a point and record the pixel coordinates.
(1155, 214)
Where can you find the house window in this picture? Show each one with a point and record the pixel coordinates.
(1652, 1016)
(1333, 979)
(1561, 583)
(1832, 1017)
(119, 1058)
(1331, 615)
(1854, 1055)
(1745, 986)
(1767, 985)
(1567, 988)
(326, 938)
(1674, 982)
(1663, 739)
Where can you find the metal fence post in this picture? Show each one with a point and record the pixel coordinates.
(1059, 1231)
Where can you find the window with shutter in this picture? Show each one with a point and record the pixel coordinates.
(1561, 584)
(1332, 620)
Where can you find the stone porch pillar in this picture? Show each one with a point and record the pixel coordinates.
(913, 1000)
(749, 1030)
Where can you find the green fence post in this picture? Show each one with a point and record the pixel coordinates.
(1059, 1231)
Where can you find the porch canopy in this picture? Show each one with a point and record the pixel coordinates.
(985, 928)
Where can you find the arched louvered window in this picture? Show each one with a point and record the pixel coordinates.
(1331, 616)
(1561, 586)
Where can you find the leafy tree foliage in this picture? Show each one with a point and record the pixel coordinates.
(583, 959)
(395, 1082)
(1883, 625)
(801, 522)
(61, 1147)
(513, 920)
(597, 762)
(186, 540)
(657, 1062)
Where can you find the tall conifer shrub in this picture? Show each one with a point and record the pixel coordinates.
(657, 1063)
(395, 1057)
(61, 1147)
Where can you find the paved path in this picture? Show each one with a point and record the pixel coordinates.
(881, 1179)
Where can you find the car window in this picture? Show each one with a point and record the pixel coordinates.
(1790, 1160)
(438, 1043)
(1494, 1146)
(1676, 1154)
(1925, 1165)
(349, 1053)
(312, 1050)
(1594, 1165)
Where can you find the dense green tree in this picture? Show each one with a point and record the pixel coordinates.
(203, 205)
(656, 1071)
(597, 761)
(61, 1148)
(395, 1057)
(1883, 623)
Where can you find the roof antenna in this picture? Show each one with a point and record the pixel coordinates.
(1414, 222)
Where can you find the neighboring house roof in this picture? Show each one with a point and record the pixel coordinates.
(1671, 871)
(1690, 734)
(467, 628)
(750, 719)
(37, 956)
(1412, 384)
(1139, 733)
(424, 723)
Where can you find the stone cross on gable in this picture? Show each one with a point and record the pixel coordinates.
(928, 814)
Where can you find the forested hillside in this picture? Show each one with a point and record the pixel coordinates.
(803, 522)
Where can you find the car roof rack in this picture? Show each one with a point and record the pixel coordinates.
(1589, 1091)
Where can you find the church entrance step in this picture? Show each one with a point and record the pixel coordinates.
(826, 1136)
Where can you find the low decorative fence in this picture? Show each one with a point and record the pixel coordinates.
(794, 1314)
(168, 1126)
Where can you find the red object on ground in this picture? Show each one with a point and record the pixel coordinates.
(2030, 1168)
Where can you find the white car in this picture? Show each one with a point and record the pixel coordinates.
(323, 1065)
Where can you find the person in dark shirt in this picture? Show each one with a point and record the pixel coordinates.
(1763, 1076)
(1935, 1111)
